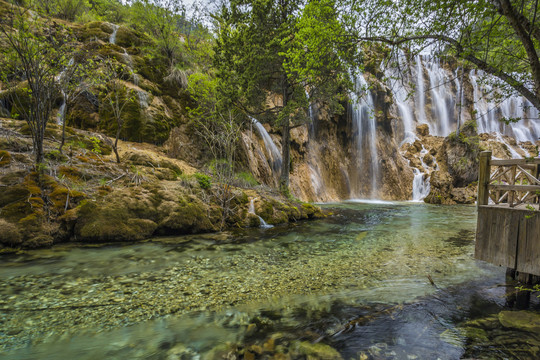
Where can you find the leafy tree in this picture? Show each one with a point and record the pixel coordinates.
(75, 80)
(500, 37)
(268, 65)
(37, 51)
(162, 20)
(116, 96)
(220, 128)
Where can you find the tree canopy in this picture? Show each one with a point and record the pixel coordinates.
(270, 65)
(500, 37)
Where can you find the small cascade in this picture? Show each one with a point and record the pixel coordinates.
(60, 118)
(61, 79)
(143, 97)
(251, 210)
(272, 150)
(365, 131)
(421, 184)
(112, 38)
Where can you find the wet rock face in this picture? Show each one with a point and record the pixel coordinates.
(462, 155)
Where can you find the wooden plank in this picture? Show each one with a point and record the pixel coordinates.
(506, 162)
(524, 188)
(483, 178)
(528, 256)
(496, 236)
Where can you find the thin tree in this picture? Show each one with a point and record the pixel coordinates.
(38, 49)
(267, 65)
(116, 96)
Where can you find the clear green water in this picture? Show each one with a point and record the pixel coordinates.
(183, 297)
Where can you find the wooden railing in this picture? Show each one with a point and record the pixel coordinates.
(513, 182)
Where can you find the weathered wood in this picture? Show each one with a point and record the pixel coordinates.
(508, 233)
(528, 251)
(523, 188)
(506, 162)
(483, 178)
(496, 235)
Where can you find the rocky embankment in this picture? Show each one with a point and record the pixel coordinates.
(83, 195)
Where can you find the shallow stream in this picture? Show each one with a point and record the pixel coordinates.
(353, 285)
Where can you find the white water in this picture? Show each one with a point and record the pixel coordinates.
(112, 38)
(420, 93)
(421, 184)
(365, 131)
(251, 210)
(60, 118)
(397, 78)
(271, 148)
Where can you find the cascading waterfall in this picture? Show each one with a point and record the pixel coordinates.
(272, 150)
(420, 93)
(396, 81)
(251, 210)
(442, 98)
(489, 112)
(421, 184)
(60, 118)
(365, 131)
(112, 38)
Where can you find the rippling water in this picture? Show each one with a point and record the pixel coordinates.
(276, 290)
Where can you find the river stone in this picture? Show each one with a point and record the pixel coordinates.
(317, 351)
(520, 320)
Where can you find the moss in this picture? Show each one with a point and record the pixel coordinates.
(126, 37)
(70, 172)
(188, 216)
(10, 234)
(11, 194)
(5, 158)
(39, 241)
(107, 222)
(59, 197)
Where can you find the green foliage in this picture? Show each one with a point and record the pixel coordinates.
(96, 145)
(246, 179)
(203, 180)
(498, 37)
(63, 9)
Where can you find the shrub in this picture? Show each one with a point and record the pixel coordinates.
(203, 180)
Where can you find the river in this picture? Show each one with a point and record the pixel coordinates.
(286, 292)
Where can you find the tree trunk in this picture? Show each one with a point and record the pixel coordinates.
(115, 146)
(286, 158)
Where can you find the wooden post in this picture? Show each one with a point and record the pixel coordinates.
(483, 178)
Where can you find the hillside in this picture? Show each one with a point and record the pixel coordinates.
(163, 184)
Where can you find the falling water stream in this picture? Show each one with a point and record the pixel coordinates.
(279, 290)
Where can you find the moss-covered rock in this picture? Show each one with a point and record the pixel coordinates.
(316, 351)
(5, 158)
(520, 320)
(10, 235)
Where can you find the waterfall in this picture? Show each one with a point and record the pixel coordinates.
(442, 98)
(60, 118)
(272, 150)
(112, 38)
(421, 184)
(365, 131)
(396, 81)
(251, 210)
(489, 113)
(420, 93)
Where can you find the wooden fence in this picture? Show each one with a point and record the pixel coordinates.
(508, 225)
